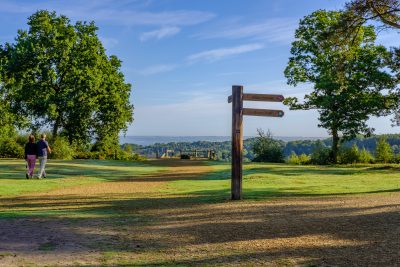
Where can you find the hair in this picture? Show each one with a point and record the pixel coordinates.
(43, 135)
(31, 138)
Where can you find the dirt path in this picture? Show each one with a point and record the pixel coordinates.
(132, 222)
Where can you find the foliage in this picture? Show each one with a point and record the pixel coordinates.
(349, 155)
(361, 11)
(299, 160)
(384, 152)
(9, 148)
(266, 149)
(365, 156)
(348, 74)
(62, 149)
(59, 75)
(321, 155)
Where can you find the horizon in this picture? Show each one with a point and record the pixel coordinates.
(183, 57)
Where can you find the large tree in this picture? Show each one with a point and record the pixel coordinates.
(348, 75)
(385, 11)
(59, 76)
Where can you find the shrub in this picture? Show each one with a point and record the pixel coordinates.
(61, 149)
(365, 156)
(293, 158)
(304, 159)
(266, 149)
(349, 155)
(321, 156)
(9, 148)
(383, 152)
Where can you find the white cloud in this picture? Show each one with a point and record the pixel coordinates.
(217, 54)
(158, 69)
(108, 42)
(125, 13)
(160, 34)
(278, 30)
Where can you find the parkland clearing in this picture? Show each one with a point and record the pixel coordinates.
(171, 212)
(253, 202)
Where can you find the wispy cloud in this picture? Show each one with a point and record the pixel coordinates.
(158, 69)
(125, 13)
(108, 42)
(160, 34)
(280, 30)
(218, 54)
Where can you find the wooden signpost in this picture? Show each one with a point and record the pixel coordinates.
(238, 111)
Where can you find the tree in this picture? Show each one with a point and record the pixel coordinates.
(383, 152)
(58, 75)
(348, 75)
(361, 11)
(266, 149)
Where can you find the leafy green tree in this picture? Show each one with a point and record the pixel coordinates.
(348, 75)
(266, 149)
(383, 152)
(385, 11)
(58, 75)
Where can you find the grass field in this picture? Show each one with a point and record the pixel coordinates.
(178, 213)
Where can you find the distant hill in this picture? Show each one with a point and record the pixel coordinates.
(223, 148)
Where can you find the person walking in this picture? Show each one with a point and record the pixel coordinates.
(31, 153)
(43, 149)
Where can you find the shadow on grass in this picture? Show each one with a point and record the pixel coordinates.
(56, 169)
(159, 225)
(191, 229)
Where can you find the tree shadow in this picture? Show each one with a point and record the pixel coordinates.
(329, 230)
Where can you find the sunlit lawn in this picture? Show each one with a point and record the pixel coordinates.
(178, 213)
(62, 174)
(261, 180)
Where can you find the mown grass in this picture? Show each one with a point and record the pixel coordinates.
(180, 213)
(261, 180)
(63, 174)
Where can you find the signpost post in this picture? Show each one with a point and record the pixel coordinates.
(238, 111)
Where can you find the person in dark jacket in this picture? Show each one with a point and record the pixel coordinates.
(31, 153)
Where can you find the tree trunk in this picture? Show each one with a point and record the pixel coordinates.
(335, 144)
(56, 126)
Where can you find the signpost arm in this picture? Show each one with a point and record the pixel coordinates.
(237, 141)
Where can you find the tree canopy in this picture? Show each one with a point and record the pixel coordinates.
(386, 11)
(348, 75)
(57, 75)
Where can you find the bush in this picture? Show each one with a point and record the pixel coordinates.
(321, 156)
(61, 149)
(266, 149)
(303, 159)
(365, 156)
(9, 148)
(383, 152)
(349, 155)
(293, 158)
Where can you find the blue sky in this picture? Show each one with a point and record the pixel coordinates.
(182, 57)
